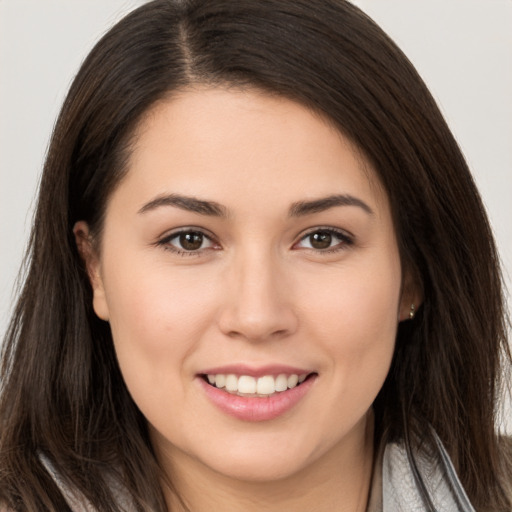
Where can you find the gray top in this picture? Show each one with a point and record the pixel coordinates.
(393, 488)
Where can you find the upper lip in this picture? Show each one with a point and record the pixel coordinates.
(255, 371)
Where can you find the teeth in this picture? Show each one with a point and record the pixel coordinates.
(231, 383)
(266, 385)
(220, 380)
(281, 383)
(247, 384)
(293, 380)
(262, 386)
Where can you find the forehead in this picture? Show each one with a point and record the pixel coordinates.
(219, 141)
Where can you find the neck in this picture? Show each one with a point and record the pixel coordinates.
(337, 481)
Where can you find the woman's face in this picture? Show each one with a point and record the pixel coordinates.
(249, 245)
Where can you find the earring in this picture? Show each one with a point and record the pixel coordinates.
(412, 312)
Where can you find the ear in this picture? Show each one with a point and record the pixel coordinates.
(411, 298)
(90, 257)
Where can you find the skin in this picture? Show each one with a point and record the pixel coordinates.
(257, 292)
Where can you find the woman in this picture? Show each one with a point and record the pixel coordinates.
(261, 278)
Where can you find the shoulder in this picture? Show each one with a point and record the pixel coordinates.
(404, 472)
(76, 500)
(505, 444)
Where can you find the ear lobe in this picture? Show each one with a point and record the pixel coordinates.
(411, 300)
(91, 261)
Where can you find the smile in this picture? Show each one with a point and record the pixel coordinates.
(256, 395)
(247, 385)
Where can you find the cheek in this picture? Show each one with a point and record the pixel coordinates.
(157, 319)
(156, 302)
(354, 323)
(354, 318)
(356, 304)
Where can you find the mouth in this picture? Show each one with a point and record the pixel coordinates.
(256, 394)
(264, 386)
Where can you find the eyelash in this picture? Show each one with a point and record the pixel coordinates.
(165, 242)
(346, 240)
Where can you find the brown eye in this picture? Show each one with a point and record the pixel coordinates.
(325, 240)
(188, 242)
(320, 240)
(191, 241)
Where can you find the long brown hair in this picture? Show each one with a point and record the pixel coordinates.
(62, 393)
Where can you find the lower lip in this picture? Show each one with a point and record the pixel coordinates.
(254, 408)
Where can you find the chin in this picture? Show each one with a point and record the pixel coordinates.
(262, 459)
(258, 471)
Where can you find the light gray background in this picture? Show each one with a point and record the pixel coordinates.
(462, 48)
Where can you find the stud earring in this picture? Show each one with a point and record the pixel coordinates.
(412, 312)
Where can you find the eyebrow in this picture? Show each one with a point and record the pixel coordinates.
(302, 208)
(191, 204)
(213, 209)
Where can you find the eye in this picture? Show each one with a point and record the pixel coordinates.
(187, 242)
(325, 239)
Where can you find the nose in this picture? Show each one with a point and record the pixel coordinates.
(258, 302)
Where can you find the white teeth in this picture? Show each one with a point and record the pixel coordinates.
(220, 380)
(231, 382)
(266, 385)
(262, 386)
(293, 380)
(281, 383)
(246, 384)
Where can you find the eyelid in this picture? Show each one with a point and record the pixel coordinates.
(164, 240)
(347, 239)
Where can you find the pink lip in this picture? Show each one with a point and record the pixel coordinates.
(241, 369)
(254, 408)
